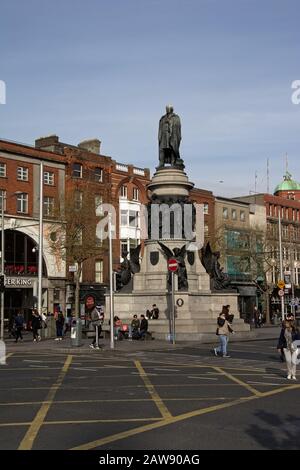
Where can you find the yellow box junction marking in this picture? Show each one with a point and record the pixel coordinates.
(31, 434)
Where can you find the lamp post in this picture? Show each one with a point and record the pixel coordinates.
(111, 284)
(2, 264)
(40, 251)
(280, 261)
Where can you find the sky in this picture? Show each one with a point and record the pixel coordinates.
(107, 68)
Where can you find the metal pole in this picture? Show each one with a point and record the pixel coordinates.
(173, 307)
(97, 337)
(111, 285)
(292, 269)
(281, 262)
(2, 266)
(40, 267)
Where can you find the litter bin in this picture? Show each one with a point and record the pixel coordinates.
(76, 332)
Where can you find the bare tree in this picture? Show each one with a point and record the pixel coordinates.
(75, 237)
(259, 260)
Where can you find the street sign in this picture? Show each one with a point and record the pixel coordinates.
(281, 293)
(172, 265)
(72, 268)
(281, 284)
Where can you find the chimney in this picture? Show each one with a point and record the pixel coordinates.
(49, 142)
(91, 145)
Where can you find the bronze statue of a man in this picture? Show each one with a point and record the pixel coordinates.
(169, 137)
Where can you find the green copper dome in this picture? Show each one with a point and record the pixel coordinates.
(287, 184)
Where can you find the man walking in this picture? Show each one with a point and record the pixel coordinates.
(97, 318)
(19, 325)
(143, 327)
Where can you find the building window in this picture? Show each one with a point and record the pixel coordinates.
(49, 178)
(22, 173)
(123, 191)
(285, 231)
(78, 196)
(98, 175)
(134, 219)
(77, 170)
(78, 236)
(99, 271)
(124, 218)
(136, 194)
(205, 207)
(99, 236)
(22, 203)
(225, 213)
(48, 205)
(133, 243)
(205, 230)
(2, 170)
(2, 197)
(242, 216)
(233, 214)
(124, 248)
(98, 205)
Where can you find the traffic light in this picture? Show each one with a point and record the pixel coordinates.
(117, 281)
(2, 283)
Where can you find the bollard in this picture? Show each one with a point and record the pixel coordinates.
(76, 333)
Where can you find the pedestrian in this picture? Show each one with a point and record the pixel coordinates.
(36, 325)
(68, 321)
(19, 325)
(148, 314)
(97, 318)
(154, 312)
(143, 327)
(255, 316)
(60, 321)
(288, 335)
(223, 331)
(134, 328)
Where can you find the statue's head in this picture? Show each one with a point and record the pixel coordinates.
(169, 109)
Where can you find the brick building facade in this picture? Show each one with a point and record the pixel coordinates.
(19, 192)
(122, 185)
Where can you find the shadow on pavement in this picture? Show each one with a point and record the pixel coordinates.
(276, 432)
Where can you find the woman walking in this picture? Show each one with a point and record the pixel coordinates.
(223, 331)
(288, 335)
(59, 326)
(36, 325)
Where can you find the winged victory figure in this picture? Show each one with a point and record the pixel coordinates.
(130, 266)
(179, 255)
(210, 261)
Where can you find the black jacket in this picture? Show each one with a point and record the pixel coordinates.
(144, 324)
(36, 322)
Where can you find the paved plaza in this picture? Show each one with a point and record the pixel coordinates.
(147, 395)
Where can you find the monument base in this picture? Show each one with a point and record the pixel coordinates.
(195, 317)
